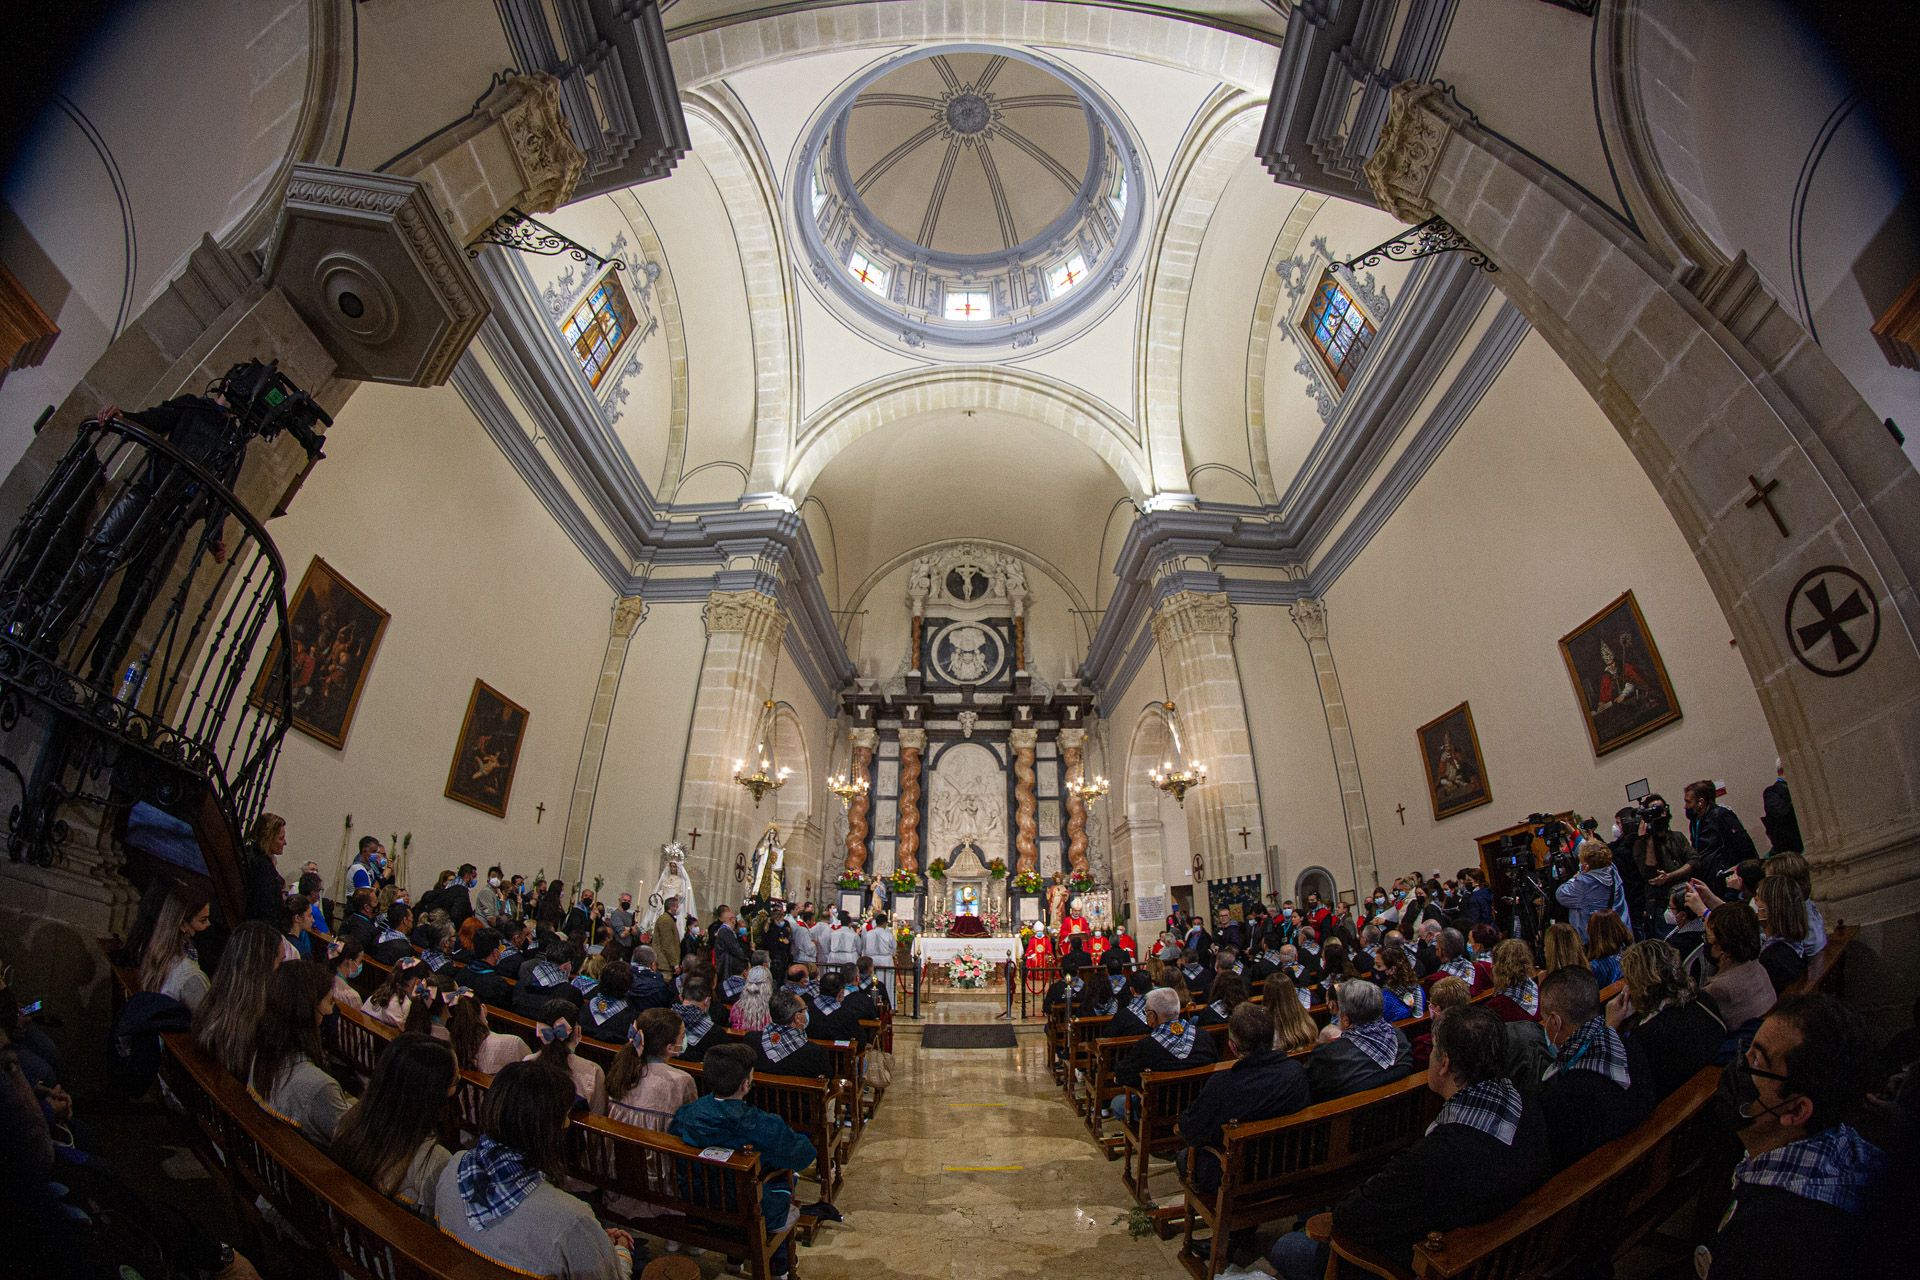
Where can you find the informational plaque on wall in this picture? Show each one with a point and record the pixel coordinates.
(1153, 910)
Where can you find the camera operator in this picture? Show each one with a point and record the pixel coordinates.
(1661, 855)
(1720, 842)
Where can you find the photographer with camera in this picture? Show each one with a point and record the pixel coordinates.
(1662, 856)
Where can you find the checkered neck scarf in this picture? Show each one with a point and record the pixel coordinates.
(1594, 1047)
(1272, 957)
(1176, 1037)
(435, 961)
(779, 1043)
(389, 934)
(494, 1179)
(1192, 971)
(1075, 987)
(1461, 968)
(583, 984)
(1491, 1106)
(1138, 1007)
(1118, 981)
(826, 1007)
(698, 1021)
(733, 986)
(507, 952)
(1525, 993)
(1376, 1039)
(802, 990)
(604, 1009)
(548, 974)
(1835, 1167)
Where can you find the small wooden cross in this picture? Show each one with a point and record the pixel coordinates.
(1243, 833)
(693, 839)
(539, 812)
(1402, 811)
(1763, 495)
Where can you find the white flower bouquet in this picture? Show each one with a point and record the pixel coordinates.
(967, 970)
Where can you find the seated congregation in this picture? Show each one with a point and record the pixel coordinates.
(556, 1102)
(1310, 1094)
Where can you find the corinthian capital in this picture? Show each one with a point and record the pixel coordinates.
(1402, 165)
(528, 107)
(1186, 613)
(1310, 616)
(628, 613)
(757, 615)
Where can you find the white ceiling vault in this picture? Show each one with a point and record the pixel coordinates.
(750, 389)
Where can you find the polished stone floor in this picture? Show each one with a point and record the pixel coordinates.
(976, 1167)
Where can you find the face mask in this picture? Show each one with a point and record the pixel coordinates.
(1287, 912)
(1616, 831)
(1738, 1101)
(493, 882)
(1673, 921)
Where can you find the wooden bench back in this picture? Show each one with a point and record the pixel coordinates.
(1268, 1161)
(363, 1233)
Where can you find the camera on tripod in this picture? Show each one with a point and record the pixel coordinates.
(265, 402)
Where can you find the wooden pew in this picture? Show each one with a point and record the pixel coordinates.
(1101, 1087)
(1614, 1195)
(1826, 971)
(1276, 1168)
(254, 1157)
(1153, 1130)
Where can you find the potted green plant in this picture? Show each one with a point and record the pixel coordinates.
(904, 882)
(850, 879)
(1027, 882)
(937, 869)
(997, 868)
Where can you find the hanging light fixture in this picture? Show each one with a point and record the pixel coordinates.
(764, 777)
(1178, 775)
(846, 787)
(1089, 791)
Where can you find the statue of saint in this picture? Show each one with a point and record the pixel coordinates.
(1056, 902)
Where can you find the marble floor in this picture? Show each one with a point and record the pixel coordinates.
(975, 1167)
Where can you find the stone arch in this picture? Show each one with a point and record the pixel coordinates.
(1215, 146)
(1147, 840)
(1318, 880)
(724, 136)
(793, 805)
(1237, 57)
(1018, 392)
(1710, 385)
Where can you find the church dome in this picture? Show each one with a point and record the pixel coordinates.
(968, 198)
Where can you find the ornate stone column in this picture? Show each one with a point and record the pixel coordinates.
(864, 741)
(744, 633)
(1026, 824)
(1073, 753)
(913, 742)
(1311, 617)
(1716, 388)
(628, 613)
(1194, 630)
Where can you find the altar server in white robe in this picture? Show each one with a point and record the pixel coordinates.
(806, 949)
(877, 944)
(842, 944)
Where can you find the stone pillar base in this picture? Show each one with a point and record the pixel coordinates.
(51, 923)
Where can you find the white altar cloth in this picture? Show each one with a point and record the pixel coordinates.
(940, 950)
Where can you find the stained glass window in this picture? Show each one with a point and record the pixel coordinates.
(600, 326)
(969, 304)
(1065, 275)
(1338, 329)
(869, 273)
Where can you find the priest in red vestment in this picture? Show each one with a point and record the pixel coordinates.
(1039, 961)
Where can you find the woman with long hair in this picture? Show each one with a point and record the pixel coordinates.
(559, 1033)
(1516, 992)
(1740, 986)
(1607, 937)
(749, 1012)
(477, 1046)
(1563, 947)
(227, 1021)
(344, 961)
(499, 1199)
(266, 888)
(427, 1016)
(393, 998)
(1293, 1027)
(389, 1139)
(1228, 992)
(1396, 976)
(1663, 1012)
(643, 1090)
(170, 966)
(286, 1072)
(1794, 867)
(1782, 910)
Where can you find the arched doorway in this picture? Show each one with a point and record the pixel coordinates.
(1314, 880)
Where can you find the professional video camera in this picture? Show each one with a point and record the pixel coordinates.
(266, 402)
(1653, 811)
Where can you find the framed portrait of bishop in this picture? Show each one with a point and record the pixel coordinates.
(1450, 755)
(1618, 676)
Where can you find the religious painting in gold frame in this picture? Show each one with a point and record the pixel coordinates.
(336, 630)
(1618, 676)
(488, 751)
(1450, 757)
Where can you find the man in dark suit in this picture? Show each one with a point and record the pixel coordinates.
(1171, 1044)
(832, 1016)
(784, 1048)
(390, 943)
(1228, 932)
(359, 924)
(649, 989)
(580, 918)
(1781, 823)
(777, 939)
(1368, 1051)
(1130, 1019)
(483, 974)
(1598, 1086)
(729, 952)
(1485, 1150)
(1260, 1085)
(457, 898)
(1198, 973)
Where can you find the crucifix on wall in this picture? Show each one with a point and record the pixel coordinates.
(1763, 496)
(1402, 811)
(693, 839)
(539, 812)
(1243, 833)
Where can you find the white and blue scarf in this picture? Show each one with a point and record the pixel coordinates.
(698, 1021)
(548, 974)
(1595, 1047)
(1376, 1039)
(1491, 1106)
(583, 984)
(779, 1043)
(604, 1009)
(1834, 1167)
(826, 1007)
(1176, 1037)
(1460, 967)
(1526, 994)
(1138, 1007)
(493, 1180)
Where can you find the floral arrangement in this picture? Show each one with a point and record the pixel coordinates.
(903, 935)
(967, 970)
(937, 869)
(1081, 883)
(904, 882)
(850, 879)
(1027, 882)
(997, 868)
(1026, 935)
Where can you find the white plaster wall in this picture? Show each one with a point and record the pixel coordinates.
(1533, 519)
(416, 507)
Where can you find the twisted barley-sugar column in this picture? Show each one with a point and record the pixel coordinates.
(1026, 841)
(863, 744)
(912, 743)
(1073, 754)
